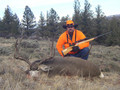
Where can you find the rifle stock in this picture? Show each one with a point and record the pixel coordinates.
(67, 50)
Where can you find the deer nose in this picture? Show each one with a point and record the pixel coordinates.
(34, 73)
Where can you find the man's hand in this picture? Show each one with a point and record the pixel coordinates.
(65, 55)
(75, 48)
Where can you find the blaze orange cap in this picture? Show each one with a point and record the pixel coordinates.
(69, 22)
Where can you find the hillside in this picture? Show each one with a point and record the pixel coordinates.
(117, 16)
(12, 76)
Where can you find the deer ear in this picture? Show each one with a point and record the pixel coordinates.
(64, 26)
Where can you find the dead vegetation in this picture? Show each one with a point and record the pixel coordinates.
(12, 76)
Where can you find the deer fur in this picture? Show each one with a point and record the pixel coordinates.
(69, 66)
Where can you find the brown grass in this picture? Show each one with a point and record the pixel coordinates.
(12, 76)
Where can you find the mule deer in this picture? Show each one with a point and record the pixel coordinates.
(71, 66)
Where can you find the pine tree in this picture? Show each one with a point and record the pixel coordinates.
(1, 27)
(42, 22)
(42, 25)
(15, 25)
(52, 23)
(100, 24)
(86, 19)
(0, 24)
(28, 20)
(10, 23)
(76, 15)
(7, 19)
(114, 37)
(99, 20)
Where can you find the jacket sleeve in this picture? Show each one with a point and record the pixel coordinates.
(83, 45)
(60, 44)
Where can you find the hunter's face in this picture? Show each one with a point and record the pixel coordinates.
(70, 28)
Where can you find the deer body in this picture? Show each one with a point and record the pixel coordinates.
(70, 66)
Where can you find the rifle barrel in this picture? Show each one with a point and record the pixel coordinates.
(102, 34)
(67, 50)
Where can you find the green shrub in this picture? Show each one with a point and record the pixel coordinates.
(29, 44)
(5, 51)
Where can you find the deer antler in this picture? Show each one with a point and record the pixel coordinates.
(52, 52)
(17, 54)
(35, 64)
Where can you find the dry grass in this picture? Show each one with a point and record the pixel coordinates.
(12, 76)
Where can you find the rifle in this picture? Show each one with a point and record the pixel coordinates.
(67, 50)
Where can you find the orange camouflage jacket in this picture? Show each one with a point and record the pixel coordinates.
(64, 40)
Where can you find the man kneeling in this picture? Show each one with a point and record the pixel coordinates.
(69, 38)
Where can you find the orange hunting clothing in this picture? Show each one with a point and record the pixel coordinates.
(65, 40)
